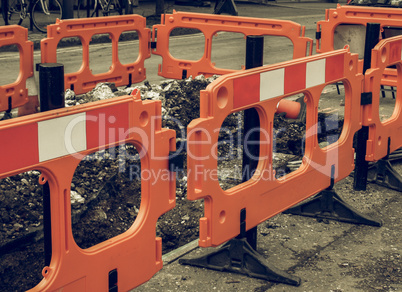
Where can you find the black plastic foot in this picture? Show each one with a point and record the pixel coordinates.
(384, 174)
(328, 205)
(237, 256)
(226, 6)
(7, 115)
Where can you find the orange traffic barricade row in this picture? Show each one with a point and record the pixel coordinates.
(384, 136)
(121, 74)
(209, 25)
(264, 196)
(54, 143)
(16, 94)
(329, 31)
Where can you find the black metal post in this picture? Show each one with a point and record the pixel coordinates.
(159, 7)
(251, 145)
(361, 165)
(51, 86)
(51, 93)
(68, 9)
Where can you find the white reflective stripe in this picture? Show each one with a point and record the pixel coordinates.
(272, 84)
(315, 73)
(61, 136)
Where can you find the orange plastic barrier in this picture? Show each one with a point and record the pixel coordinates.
(209, 25)
(348, 14)
(358, 15)
(54, 142)
(386, 53)
(262, 88)
(83, 80)
(16, 94)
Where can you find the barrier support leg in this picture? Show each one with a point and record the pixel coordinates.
(7, 114)
(384, 174)
(238, 256)
(328, 205)
(225, 6)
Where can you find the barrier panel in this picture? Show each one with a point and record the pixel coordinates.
(209, 25)
(83, 80)
(388, 18)
(16, 94)
(384, 137)
(54, 143)
(264, 196)
(347, 14)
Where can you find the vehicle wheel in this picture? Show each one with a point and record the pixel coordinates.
(42, 16)
(114, 8)
(12, 15)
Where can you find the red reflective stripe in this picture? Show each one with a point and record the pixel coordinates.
(334, 68)
(19, 147)
(395, 51)
(107, 125)
(246, 90)
(295, 78)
